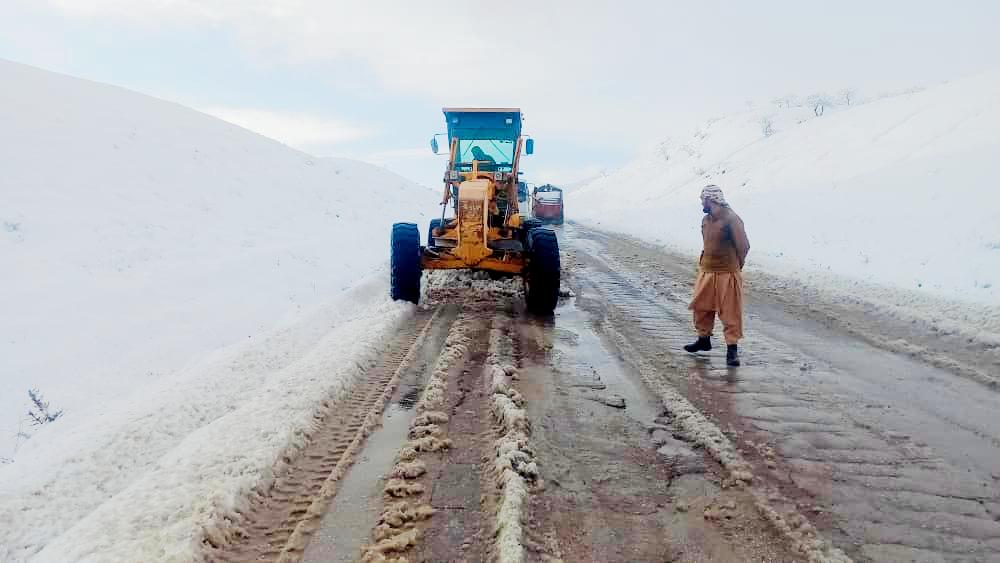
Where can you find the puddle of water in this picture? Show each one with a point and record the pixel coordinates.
(345, 528)
(351, 516)
(587, 357)
(409, 398)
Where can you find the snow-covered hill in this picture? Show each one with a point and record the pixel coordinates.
(138, 237)
(899, 192)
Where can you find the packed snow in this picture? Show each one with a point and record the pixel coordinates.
(898, 192)
(188, 292)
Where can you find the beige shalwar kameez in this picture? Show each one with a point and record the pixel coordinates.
(718, 288)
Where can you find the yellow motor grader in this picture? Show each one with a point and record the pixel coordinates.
(486, 230)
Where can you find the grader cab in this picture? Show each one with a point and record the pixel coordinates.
(485, 229)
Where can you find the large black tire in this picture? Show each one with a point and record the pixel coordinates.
(526, 226)
(404, 262)
(435, 223)
(530, 223)
(542, 277)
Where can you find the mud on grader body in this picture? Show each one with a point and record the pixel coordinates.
(487, 230)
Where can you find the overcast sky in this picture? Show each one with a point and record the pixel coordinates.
(598, 81)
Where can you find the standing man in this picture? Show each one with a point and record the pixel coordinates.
(719, 286)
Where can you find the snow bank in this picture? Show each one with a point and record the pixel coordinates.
(898, 192)
(153, 480)
(138, 237)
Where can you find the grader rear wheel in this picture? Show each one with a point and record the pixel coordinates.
(542, 276)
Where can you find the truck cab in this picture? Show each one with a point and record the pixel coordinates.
(547, 204)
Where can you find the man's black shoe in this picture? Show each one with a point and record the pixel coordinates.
(703, 344)
(732, 356)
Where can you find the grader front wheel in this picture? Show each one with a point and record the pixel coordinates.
(404, 262)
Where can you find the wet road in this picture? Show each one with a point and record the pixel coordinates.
(620, 485)
(489, 434)
(892, 459)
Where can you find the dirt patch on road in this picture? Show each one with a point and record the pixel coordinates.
(618, 487)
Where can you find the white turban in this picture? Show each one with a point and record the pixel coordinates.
(714, 193)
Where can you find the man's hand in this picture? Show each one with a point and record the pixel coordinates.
(739, 238)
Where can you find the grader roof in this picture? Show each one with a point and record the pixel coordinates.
(483, 123)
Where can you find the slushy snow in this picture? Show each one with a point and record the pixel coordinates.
(189, 292)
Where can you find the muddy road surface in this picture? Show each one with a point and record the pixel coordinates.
(487, 434)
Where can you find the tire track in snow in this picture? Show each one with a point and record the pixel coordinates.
(507, 471)
(279, 522)
(407, 493)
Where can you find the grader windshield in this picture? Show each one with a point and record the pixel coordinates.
(497, 151)
(485, 135)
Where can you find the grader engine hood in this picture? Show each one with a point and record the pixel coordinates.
(473, 210)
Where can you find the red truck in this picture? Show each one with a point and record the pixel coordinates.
(547, 204)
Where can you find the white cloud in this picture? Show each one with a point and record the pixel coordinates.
(298, 130)
(527, 54)
(622, 73)
(147, 11)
